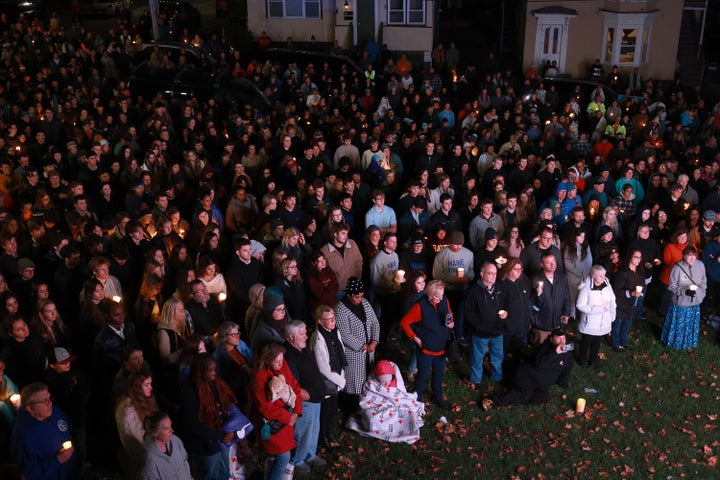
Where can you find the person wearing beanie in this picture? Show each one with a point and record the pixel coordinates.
(359, 329)
(272, 327)
(492, 252)
(445, 268)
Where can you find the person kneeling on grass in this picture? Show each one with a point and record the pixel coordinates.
(551, 364)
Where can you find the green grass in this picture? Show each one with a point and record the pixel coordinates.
(655, 416)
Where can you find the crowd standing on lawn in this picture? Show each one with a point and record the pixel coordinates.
(174, 255)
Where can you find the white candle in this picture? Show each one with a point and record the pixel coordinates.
(222, 296)
(67, 445)
(580, 407)
(693, 288)
(540, 284)
(638, 289)
(400, 276)
(116, 298)
(501, 260)
(15, 400)
(501, 313)
(460, 272)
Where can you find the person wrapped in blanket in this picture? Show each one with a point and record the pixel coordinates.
(387, 410)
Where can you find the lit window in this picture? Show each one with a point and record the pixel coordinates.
(294, 8)
(626, 38)
(409, 12)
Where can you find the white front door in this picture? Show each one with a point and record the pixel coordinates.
(551, 39)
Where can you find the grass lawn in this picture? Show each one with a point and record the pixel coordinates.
(655, 416)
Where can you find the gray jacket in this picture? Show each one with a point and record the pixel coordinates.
(161, 466)
(682, 277)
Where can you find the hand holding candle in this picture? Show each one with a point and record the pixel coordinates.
(67, 445)
(400, 276)
(460, 272)
(15, 400)
(502, 314)
(222, 296)
(117, 298)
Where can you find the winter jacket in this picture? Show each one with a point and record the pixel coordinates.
(597, 308)
(161, 466)
(681, 278)
(481, 310)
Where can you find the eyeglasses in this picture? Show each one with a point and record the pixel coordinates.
(637, 256)
(46, 401)
(234, 334)
(280, 309)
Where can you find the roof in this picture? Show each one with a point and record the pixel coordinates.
(554, 10)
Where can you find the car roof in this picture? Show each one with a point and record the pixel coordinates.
(175, 45)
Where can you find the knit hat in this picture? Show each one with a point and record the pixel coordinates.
(605, 229)
(354, 286)
(255, 291)
(456, 238)
(490, 234)
(24, 263)
(384, 368)
(710, 216)
(271, 302)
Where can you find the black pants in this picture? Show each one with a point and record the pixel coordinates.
(328, 409)
(589, 348)
(389, 314)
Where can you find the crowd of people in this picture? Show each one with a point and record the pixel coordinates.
(236, 273)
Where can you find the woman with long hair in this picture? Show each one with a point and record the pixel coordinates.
(148, 306)
(321, 282)
(672, 253)
(254, 312)
(207, 272)
(412, 291)
(90, 322)
(292, 290)
(206, 400)
(629, 286)
(138, 402)
(49, 327)
(293, 243)
(277, 445)
(578, 260)
(512, 241)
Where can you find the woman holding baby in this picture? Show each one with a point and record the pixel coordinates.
(278, 415)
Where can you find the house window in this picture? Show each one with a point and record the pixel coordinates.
(409, 12)
(294, 8)
(626, 39)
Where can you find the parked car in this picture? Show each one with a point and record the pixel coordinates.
(28, 7)
(566, 88)
(109, 7)
(193, 54)
(192, 81)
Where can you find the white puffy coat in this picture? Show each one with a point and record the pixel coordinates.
(597, 308)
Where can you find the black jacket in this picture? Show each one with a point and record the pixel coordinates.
(553, 303)
(519, 308)
(481, 310)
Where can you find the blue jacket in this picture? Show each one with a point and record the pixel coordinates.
(710, 255)
(35, 445)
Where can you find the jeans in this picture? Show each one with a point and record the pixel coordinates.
(620, 331)
(277, 466)
(425, 362)
(477, 354)
(215, 466)
(307, 429)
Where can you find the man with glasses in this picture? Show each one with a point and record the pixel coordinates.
(41, 441)
(204, 309)
(532, 254)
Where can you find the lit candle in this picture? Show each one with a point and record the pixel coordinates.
(67, 445)
(540, 284)
(592, 212)
(639, 289)
(693, 288)
(116, 298)
(222, 296)
(400, 276)
(15, 400)
(502, 313)
(686, 206)
(501, 260)
(580, 407)
(656, 261)
(182, 233)
(460, 272)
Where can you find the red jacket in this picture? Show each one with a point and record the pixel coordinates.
(283, 441)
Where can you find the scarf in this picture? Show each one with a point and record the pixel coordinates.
(336, 351)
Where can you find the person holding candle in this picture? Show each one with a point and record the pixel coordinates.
(687, 286)
(492, 252)
(629, 286)
(551, 364)
(39, 438)
(9, 403)
(596, 304)
(550, 299)
(445, 268)
(486, 316)
(578, 260)
(386, 282)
